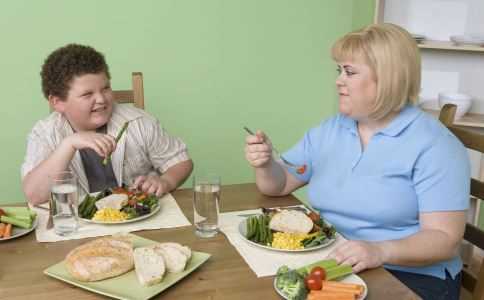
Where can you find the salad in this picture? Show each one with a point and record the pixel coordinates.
(117, 204)
(288, 229)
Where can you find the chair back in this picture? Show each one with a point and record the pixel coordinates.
(472, 280)
(135, 95)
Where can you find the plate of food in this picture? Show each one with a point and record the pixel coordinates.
(321, 280)
(133, 267)
(287, 230)
(118, 206)
(16, 222)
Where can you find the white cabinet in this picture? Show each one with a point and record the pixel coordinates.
(445, 66)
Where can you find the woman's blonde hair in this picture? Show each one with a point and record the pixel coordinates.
(393, 56)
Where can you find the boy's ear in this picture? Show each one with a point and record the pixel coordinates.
(56, 103)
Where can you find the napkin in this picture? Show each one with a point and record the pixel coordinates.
(265, 262)
(169, 216)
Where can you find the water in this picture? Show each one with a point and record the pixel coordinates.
(65, 217)
(206, 208)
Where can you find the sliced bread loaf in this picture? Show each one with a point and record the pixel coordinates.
(149, 265)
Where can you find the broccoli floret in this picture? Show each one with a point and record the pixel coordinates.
(291, 284)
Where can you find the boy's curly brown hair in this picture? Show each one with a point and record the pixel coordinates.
(62, 65)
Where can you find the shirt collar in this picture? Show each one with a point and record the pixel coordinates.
(404, 118)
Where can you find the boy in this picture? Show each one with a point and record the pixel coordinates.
(80, 132)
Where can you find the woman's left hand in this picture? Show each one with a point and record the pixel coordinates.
(359, 255)
(151, 184)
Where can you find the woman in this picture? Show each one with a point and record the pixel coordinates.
(393, 180)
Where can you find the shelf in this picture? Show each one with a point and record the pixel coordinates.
(446, 45)
(469, 119)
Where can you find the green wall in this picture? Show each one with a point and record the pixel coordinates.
(210, 67)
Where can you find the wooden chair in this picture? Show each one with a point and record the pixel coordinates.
(473, 274)
(135, 95)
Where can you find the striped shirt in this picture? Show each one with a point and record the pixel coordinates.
(144, 148)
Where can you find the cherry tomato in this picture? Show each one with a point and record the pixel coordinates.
(313, 283)
(318, 272)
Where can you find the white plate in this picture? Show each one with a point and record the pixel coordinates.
(243, 233)
(154, 211)
(18, 232)
(353, 278)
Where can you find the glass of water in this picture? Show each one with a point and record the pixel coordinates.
(206, 197)
(64, 198)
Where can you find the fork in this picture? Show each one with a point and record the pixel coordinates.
(277, 154)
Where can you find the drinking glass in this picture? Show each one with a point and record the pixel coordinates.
(206, 197)
(64, 198)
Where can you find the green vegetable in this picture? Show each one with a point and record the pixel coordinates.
(258, 229)
(325, 264)
(338, 271)
(120, 133)
(20, 212)
(291, 283)
(314, 240)
(16, 222)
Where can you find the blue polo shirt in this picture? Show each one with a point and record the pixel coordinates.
(413, 165)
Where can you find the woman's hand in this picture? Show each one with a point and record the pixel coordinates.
(152, 184)
(102, 144)
(258, 149)
(359, 255)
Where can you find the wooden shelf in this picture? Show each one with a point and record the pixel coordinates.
(469, 119)
(446, 45)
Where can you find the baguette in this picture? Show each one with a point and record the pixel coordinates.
(100, 259)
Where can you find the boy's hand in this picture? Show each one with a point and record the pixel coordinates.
(103, 144)
(152, 184)
(258, 149)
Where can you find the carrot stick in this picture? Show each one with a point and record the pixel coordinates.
(341, 290)
(358, 289)
(343, 284)
(8, 231)
(322, 295)
(2, 229)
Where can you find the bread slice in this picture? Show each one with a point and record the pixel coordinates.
(100, 259)
(149, 265)
(184, 249)
(291, 221)
(175, 259)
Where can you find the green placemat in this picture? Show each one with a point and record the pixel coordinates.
(127, 285)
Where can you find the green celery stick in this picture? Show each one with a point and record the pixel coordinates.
(16, 222)
(17, 211)
(338, 271)
(120, 133)
(325, 264)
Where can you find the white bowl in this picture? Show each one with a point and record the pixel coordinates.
(462, 101)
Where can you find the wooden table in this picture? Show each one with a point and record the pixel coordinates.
(224, 276)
